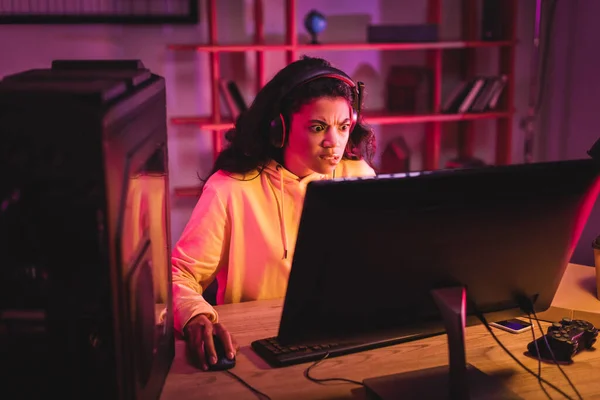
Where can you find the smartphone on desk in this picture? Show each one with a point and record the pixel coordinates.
(512, 325)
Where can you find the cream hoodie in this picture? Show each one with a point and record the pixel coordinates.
(243, 233)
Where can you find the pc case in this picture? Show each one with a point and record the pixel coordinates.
(85, 294)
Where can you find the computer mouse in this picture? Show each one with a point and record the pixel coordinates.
(223, 362)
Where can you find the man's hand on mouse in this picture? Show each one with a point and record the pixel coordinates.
(198, 334)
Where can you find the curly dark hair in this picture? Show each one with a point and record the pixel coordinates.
(250, 146)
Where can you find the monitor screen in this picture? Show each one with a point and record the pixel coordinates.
(370, 250)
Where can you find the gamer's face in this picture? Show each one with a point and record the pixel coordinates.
(318, 135)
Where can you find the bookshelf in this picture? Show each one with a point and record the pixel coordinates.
(217, 123)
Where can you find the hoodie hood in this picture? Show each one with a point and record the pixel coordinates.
(281, 176)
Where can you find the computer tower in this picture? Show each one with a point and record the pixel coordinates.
(85, 294)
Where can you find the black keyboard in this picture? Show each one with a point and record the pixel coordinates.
(278, 355)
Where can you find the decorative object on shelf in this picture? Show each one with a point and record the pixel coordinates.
(402, 33)
(396, 157)
(408, 90)
(315, 23)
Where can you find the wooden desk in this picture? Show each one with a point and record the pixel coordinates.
(576, 296)
(255, 320)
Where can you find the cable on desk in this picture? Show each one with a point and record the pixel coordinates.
(489, 329)
(552, 354)
(537, 349)
(243, 382)
(321, 381)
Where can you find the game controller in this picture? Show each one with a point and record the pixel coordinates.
(565, 338)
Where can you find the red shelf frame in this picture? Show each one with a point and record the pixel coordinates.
(242, 47)
(434, 50)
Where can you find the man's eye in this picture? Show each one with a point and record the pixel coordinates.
(317, 128)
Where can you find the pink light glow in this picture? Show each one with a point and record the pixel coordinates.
(582, 216)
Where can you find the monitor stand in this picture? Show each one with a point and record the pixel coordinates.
(457, 380)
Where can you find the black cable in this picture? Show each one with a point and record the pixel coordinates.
(243, 382)
(537, 349)
(511, 355)
(545, 55)
(552, 355)
(526, 305)
(538, 77)
(320, 381)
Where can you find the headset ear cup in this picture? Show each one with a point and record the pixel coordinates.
(354, 120)
(357, 106)
(278, 132)
(350, 150)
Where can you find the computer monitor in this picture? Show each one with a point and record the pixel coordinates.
(370, 251)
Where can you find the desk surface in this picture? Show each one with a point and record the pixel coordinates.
(576, 296)
(255, 320)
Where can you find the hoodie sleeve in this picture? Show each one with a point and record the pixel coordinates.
(199, 253)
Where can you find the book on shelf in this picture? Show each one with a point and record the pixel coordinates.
(233, 98)
(495, 97)
(479, 94)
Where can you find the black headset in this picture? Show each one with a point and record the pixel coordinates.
(279, 128)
